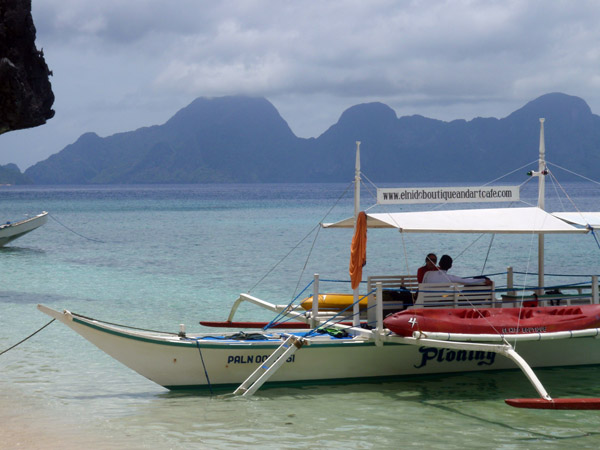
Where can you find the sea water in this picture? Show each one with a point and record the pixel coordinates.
(159, 256)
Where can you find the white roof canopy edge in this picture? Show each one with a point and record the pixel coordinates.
(584, 219)
(494, 220)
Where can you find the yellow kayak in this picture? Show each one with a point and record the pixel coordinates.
(333, 302)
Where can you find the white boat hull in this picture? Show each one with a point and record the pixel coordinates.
(206, 362)
(10, 232)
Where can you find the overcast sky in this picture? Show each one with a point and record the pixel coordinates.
(119, 65)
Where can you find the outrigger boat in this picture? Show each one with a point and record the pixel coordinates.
(406, 343)
(13, 230)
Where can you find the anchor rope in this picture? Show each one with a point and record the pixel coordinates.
(31, 335)
(73, 231)
(204, 366)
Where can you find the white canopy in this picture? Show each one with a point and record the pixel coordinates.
(493, 220)
(585, 219)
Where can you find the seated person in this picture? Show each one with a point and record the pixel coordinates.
(442, 275)
(430, 264)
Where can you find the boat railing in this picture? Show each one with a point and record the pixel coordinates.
(563, 295)
(454, 295)
(398, 293)
(559, 294)
(293, 310)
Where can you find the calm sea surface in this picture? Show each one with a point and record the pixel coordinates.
(158, 256)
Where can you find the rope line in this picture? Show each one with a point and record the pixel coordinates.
(75, 232)
(314, 330)
(287, 308)
(510, 173)
(488, 254)
(301, 240)
(553, 178)
(456, 258)
(204, 366)
(554, 184)
(573, 173)
(551, 274)
(31, 335)
(306, 262)
(595, 237)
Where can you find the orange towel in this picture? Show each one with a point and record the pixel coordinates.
(358, 250)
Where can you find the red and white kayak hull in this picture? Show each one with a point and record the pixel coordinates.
(546, 319)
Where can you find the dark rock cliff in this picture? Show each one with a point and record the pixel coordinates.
(26, 96)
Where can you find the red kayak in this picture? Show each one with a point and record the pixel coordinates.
(545, 319)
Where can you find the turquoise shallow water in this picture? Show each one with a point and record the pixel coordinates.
(158, 256)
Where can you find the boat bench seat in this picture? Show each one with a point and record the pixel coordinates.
(454, 295)
(397, 293)
(393, 282)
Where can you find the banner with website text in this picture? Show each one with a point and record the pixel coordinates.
(388, 196)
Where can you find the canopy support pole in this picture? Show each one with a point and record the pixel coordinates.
(315, 303)
(541, 204)
(510, 281)
(379, 308)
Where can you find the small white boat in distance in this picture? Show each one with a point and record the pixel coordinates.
(11, 231)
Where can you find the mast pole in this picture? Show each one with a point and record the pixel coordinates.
(357, 183)
(356, 308)
(541, 204)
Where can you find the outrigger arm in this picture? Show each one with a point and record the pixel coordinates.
(267, 305)
(507, 350)
(504, 349)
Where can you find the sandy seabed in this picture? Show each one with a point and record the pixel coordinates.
(27, 426)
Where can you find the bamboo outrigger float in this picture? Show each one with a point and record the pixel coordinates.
(350, 352)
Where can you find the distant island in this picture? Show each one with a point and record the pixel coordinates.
(11, 174)
(245, 140)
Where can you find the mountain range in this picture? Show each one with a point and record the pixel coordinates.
(245, 140)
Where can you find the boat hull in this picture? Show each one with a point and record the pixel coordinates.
(12, 231)
(495, 320)
(207, 362)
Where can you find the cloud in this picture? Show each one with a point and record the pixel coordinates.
(382, 47)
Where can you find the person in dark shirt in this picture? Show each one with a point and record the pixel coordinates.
(430, 264)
